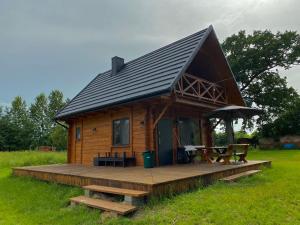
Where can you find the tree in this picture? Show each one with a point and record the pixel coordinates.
(272, 94)
(255, 59)
(56, 102)
(288, 123)
(58, 134)
(2, 138)
(18, 125)
(18, 113)
(24, 128)
(58, 137)
(41, 120)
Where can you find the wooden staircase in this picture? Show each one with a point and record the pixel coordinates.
(132, 199)
(116, 191)
(103, 197)
(238, 176)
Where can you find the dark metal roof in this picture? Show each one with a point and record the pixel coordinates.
(152, 74)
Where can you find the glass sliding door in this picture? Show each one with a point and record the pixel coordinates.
(189, 131)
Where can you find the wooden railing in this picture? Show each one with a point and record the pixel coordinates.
(200, 89)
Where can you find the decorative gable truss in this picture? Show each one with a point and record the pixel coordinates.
(195, 88)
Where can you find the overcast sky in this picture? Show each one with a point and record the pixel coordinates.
(47, 45)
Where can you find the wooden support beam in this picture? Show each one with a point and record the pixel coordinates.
(193, 103)
(162, 113)
(206, 132)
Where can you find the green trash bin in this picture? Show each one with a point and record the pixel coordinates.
(148, 159)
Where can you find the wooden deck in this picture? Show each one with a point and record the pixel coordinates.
(157, 181)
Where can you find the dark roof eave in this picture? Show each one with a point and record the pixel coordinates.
(96, 109)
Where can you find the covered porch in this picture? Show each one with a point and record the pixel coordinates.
(180, 119)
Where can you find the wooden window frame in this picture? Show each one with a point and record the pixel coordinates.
(129, 133)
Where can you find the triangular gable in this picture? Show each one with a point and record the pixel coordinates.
(209, 63)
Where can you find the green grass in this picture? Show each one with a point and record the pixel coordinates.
(272, 197)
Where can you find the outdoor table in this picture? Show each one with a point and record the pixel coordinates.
(192, 150)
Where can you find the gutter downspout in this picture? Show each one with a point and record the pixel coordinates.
(64, 126)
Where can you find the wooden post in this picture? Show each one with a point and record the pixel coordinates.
(148, 128)
(229, 131)
(162, 113)
(206, 132)
(175, 135)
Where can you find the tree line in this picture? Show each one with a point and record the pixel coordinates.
(29, 126)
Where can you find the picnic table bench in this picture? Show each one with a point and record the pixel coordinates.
(232, 151)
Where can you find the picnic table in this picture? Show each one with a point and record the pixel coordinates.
(192, 151)
(221, 152)
(207, 152)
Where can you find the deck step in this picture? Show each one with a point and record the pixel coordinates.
(117, 191)
(235, 177)
(119, 208)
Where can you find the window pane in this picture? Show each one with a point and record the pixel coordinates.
(116, 132)
(77, 133)
(121, 132)
(125, 132)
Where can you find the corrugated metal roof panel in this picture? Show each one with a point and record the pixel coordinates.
(147, 75)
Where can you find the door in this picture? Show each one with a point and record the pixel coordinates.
(165, 143)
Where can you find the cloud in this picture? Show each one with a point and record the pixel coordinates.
(64, 44)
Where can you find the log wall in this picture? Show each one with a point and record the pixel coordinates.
(97, 130)
(96, 134)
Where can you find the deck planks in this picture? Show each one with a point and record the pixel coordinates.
(157, 181)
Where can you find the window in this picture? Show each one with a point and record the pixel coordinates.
(121, 132)
(78, 134)
(189, 132)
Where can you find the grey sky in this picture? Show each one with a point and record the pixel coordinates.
(47, 45)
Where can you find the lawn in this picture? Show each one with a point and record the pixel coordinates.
(272, 197)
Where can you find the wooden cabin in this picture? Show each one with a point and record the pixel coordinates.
(154, 102)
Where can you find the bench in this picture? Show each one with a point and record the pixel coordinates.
(242, 155)
(232, 151)
(115, 160)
